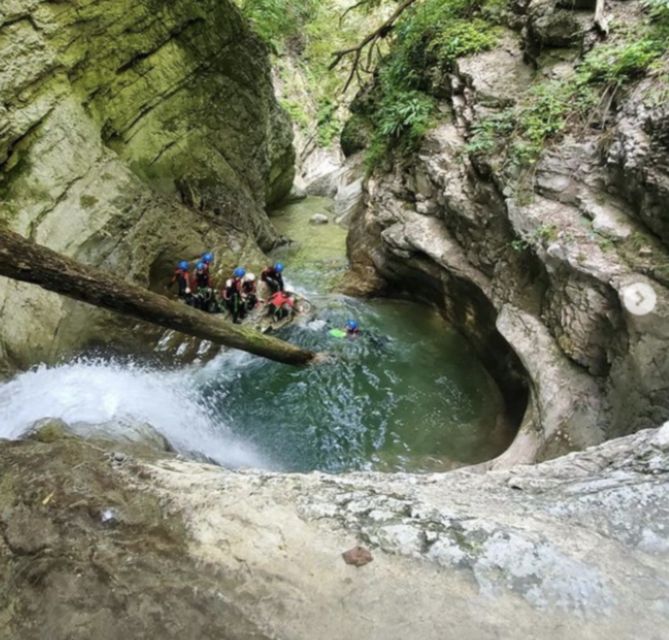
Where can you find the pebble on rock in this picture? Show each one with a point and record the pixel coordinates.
(357, 556)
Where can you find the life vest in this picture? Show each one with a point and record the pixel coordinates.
(202, 279)
(248, 286)
(232, 288)
(280, 298)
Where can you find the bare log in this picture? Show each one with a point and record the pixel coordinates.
(23, 260)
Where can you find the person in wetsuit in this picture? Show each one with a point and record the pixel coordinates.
(232, 294)
(273, 277)
(281, 305)
(201, 279)
(249, 292)
(352, 328)
(200, 286)
(182, 278)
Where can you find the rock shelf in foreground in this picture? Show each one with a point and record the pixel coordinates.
(575, 547)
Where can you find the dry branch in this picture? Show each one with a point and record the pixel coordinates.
(370, 40)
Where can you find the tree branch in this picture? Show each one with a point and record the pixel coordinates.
(353, 7)
(371, 39)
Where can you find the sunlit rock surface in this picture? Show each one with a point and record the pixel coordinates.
(100, 543)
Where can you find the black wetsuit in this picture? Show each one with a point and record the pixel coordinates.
(202, 279)
(249, 295)
(182, 278)
(273, 279)
(233, 300)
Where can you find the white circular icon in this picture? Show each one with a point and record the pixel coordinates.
(639, 298)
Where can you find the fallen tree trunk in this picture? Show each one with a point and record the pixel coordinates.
(23, 260)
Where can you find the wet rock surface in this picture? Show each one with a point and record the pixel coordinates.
(83, 555)
(575, 547)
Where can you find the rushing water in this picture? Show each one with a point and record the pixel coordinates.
(408, 393)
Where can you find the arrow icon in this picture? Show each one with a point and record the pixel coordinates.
(639, 298)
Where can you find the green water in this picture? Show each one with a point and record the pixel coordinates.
(407, 394)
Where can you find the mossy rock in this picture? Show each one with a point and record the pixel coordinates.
(49, 431)
(356, 135)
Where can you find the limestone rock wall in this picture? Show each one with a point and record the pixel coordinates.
(132, 134)
(536, 276)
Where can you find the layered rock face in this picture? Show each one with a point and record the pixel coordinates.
(536, 269)
(132, 134)
(104, 543)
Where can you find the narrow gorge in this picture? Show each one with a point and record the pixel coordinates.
(481, 185)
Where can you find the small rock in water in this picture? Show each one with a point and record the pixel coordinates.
(319, 218)
(119, 456)
(109, 516)
(358, 556)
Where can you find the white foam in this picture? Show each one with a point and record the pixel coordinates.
(104, 393)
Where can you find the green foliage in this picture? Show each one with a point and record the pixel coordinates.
(617, 63)
(297, 113)
(584, 98)
(432, 34)
(659, 12)
(276, 21)
(542, 235)
(549, 108)
(439, 31)
(487, 132)
(461, 38)
(310, 31)
(405, 114)
(328, 123)
(401, 121)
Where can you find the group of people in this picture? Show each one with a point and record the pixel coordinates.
(239, 294)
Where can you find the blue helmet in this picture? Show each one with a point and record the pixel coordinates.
(207, 257)
(199, 266)
(278, 267)
(239, 272)
(352, 325)
(183, 265)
